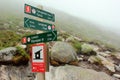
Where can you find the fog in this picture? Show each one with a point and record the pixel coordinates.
(105, 13)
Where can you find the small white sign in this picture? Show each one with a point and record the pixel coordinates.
(37, 54)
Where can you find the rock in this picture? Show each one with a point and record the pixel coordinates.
(103, 54)
(102, 60)
(9, 72)
(3, 73)
(87, 49)
(107, 52)
(7, 53)
(78, 39)
(95, 47)
(64, 35)
(54, 63)
(6, 25)
(80, 58)
(117, 75)
(117, 68)
(116, 54)
(61, 38)
(64, 53)
(93, 53)
(94, 59)
(69, 39)
(108, 64)
(74, 63)
(68, 72)
(22, 46)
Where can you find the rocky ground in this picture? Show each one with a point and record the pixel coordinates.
(71, 58)
(90, 56)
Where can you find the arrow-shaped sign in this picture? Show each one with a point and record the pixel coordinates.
(39, 38)
(34, 24)
(39, 13)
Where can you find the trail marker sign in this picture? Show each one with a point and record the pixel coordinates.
(39, 38)
(38, 57)
(34, 24)
(39, 13)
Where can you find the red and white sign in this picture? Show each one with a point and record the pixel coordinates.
(38, 57)
(53, 27)
(24, 40)
(28, 9)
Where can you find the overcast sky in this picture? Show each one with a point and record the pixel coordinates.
(100, 12)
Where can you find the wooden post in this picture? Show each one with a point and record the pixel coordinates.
(40, 76)
(47, 58)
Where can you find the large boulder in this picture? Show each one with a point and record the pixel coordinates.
(14, 56)
(64, 53)
(9, 72)
(7, 53)
(68, 72)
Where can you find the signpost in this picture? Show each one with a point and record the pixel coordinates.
(39, 51)
(39, 38)
(38, 57)
(39, 13)
(34, 24)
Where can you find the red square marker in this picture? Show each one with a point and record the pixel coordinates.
(24, 40)
(53, 27)
(28, 9)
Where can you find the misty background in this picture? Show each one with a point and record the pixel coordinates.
(94, 20)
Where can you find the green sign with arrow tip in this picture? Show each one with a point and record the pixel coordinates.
(34, 24)
(39, 38)
(39, 13)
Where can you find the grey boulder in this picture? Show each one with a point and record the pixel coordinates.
(63, 52)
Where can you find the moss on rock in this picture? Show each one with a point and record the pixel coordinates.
(86, 49)
(77, 45)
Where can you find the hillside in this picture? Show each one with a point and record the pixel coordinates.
(84, 29)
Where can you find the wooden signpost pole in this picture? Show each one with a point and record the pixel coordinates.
(41, 76)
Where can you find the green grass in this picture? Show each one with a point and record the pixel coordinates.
(77, 45)
(21, 51)
(9, 38)
(21, 57)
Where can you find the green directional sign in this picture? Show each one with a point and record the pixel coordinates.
(39, 13)
(39, 38)
(34, 24)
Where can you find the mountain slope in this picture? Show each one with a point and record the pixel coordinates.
(88, 31)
